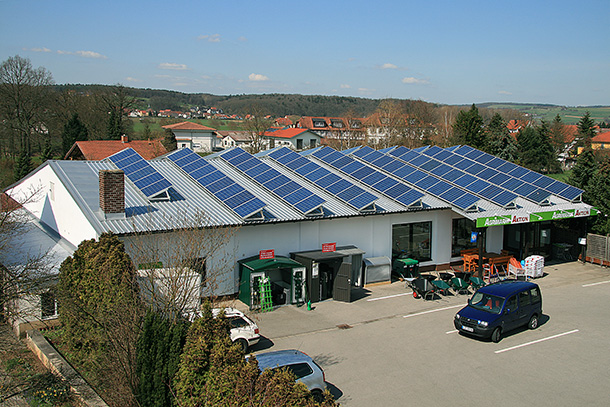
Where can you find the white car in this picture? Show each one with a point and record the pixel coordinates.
(243, 330)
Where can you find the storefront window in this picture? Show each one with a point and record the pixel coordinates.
(460, 240)
(412, 240)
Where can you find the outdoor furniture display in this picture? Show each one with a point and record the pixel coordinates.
(491, 273)
(442, 286)
(422, 288)
(459, 286)
(476, 282)
(445, 276)
(471, 262)
(515, 269)
(499, 260)
(534, 266)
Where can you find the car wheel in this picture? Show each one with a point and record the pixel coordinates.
(496, 335)
(317, 395)
(243, 344)
(533, 324)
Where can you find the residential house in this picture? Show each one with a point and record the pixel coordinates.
(195, 136)
(235, 138)
(295, 138)
(100, 149)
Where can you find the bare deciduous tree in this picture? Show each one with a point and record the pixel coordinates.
(256, 124)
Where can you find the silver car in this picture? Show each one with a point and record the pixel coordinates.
(304, 368)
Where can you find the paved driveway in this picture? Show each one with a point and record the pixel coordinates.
(387, 348)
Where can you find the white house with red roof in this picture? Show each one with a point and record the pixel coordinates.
(195, 136)
(294, 138)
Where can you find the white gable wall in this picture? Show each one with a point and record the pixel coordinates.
(54, 206)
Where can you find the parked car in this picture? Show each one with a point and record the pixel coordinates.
(498, 308)
(306, 370)
(243, 330)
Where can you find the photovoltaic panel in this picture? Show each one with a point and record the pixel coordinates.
(140, 172)
(374, 179)
(224, 188)
(282, 186)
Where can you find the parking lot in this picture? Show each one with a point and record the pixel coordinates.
(387, 348)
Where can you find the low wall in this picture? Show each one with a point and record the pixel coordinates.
(57, 364)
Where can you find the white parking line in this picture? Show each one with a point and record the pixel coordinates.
(433, 310)
(390, 296)
(592, 284)
(537, 341)
(452, 332)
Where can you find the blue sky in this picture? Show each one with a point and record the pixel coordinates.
(454, 52)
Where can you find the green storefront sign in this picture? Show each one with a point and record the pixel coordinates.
(534, 217)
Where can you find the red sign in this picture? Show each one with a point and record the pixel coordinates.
(329, 247)
(266, 254)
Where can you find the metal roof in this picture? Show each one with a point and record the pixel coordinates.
(193, 205)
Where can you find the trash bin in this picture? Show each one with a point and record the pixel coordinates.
(406, 268)
(376, 270)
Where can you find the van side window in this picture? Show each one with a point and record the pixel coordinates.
(524, 298)
(535, 294)
(511, 304)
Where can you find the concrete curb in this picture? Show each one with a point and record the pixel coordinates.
(57, 364)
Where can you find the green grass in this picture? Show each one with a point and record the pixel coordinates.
(563, 177)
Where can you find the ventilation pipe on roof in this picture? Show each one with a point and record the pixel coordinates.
(124, 138)
(112, 192)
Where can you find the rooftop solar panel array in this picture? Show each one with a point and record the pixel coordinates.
(431, 184)
(343, 189)
(521, 180)
(369, 176)
(224, 188)
(140, 172)
(296, 195)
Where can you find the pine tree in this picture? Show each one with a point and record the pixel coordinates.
(535, 150)
(468, 128)
(47, 151)
(586, 130)
(583, 171)
(169, 141)
(599, 192)
(74, 130)
(23, 165)
(499, 140)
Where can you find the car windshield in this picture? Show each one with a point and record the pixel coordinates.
(486, 302)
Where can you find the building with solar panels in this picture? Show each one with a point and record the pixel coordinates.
(361, 203)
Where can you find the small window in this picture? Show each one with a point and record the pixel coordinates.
(336, 123)
(511, 304)
(524, 298)
(319, 123)
(312, 143)
(300, 369)
(237, 322)
(299, 144)
(535, 295)
(48, 305)
(355, 124)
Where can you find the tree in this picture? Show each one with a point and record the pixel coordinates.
(535, 150)
(388, 124)
(24, 97)
(118, 102)
(583, 171)
(214, 372)
(158, 356)
(23, 165)
(586, 130)
(169, 140)
(100, 310)
(74, 130)
(468, 128)
(256, 125)
(599, 192)
(500, 142)
(557, 135)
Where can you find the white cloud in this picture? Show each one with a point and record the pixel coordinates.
(366, 91)
(172, 66)
(84, 54)
(257, 77)
(242, 39)
(504, 92)
(37, 49)
(413, 80)
(210, 38)
(345, 86)
(132, 79)
(388, 66)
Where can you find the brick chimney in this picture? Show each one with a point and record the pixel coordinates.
(112, 191)
(124, 139)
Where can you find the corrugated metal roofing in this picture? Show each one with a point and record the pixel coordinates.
(191, 203)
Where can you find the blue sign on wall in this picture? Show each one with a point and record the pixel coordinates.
(473, 237)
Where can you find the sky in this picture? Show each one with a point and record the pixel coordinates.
(445, 51)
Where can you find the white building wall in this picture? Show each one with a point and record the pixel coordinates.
(54, 206)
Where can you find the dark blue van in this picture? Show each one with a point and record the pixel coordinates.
(498, 308)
